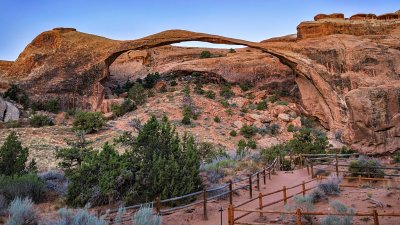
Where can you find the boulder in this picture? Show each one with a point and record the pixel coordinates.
(3, 107)
(238, 124)
(296, 122)
(267, 142)
(239, 101)
(284, 117)
(12, 113)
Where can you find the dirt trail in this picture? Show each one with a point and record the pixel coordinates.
(214, 217)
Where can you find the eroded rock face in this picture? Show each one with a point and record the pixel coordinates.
(332, 71)
(8, 111)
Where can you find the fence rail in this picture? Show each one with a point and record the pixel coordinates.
(261, 175)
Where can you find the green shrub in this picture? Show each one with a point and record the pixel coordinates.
(163, 89)
(308, 141)
(52, 105)
(232, 50)
(12, 124)
(330, 186)
(186, 89)
(89, 121)
(120, 110)
(39, 120)
(210, 94)
(252, 144)
(282, 103)
(244, 110)
(17, 94)
(224, 103)
(273, 98)
(173, 83)
(246, 86)
(233, 133)
(248, 131)
(208, 151)
(269, 154)
(339, 208)
(366, 167)
(186, 119)
(274, 129)
(262, 105)
(226, 91)
(217, 119)
(307, 122)
(13, 156)
(241, 150)
(150, 80)
(396, 157)
(23, 186)
(291, 128)
(138, 94)
(205, 54)
(198, 89)
(159, 163)
(305, 204)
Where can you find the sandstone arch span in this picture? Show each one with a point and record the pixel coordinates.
(69, 65)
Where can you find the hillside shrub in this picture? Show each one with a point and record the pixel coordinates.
(252, 144)
(77, 217)
(13, 156)
(282, 103)
(245, 86)
(205, 54)
(233, 133)
(138, 94)
(226, 91)
(217, 119)
(231, 50)
(210, 94)
(248, 131)
(366, 167)
(121, 109)
(208, 151)
(89, 122)
(52, 105)
(23, 186)
(22, 212)
(55, 181)
(262, 105)
(39, 120)
(12, 124)
(305, 204)
(308, 141)
(18, 95)
(150, 80)
(330, 186)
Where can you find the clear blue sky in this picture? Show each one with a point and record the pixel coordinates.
(22, 20)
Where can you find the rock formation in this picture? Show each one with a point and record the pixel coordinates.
(8, 111)
(342, 66)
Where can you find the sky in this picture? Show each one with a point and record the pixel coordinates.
(254, 20)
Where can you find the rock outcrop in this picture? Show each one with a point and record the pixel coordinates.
(341, 67)
(8, 111)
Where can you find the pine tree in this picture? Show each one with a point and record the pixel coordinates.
(12, 156)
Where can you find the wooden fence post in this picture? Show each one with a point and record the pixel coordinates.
(312, 170)
(231, 215)
(265, 181)
(359, 180)
(337, 166)
(308, 168)
(284, 195)
(230, 192)
(298, 217)
(251, 186)
(303, 185)
(205, 204)
(258, 181)
(158, 205)
(376, 217)
(260, 203)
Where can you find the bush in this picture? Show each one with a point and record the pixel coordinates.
(198, 89)
(55, 181)
(248, 131)
(273, 98)
(158, 163)
(252, 144)
(282, 103)
(233, 133)
(317, 195)
(244, 110)
(150, 80)
(79, 217)
(120, 110)
(186, 119)
(89, 122)
(226, 91)
(308, 141)
(262, 105)
(396, 157)
(205, 54)
(22, 212)
(245, 86)
(274, 129)
(330, 186)
(210, 94)
(13, 156)
(292, 128)
(366, 167)
(339, 208)
(232, 50)
(12, 124)
(145, 216)
(269, 154)
(173, 83)
(39, 120)
(137, 94)
(208, 151)
(305, 204)
(217, 119)
(17, 94)
(224, 103)
(23, 186)
(52, 105)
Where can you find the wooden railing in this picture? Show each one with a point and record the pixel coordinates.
(206, 195)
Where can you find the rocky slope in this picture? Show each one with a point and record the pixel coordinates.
(347, 71)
